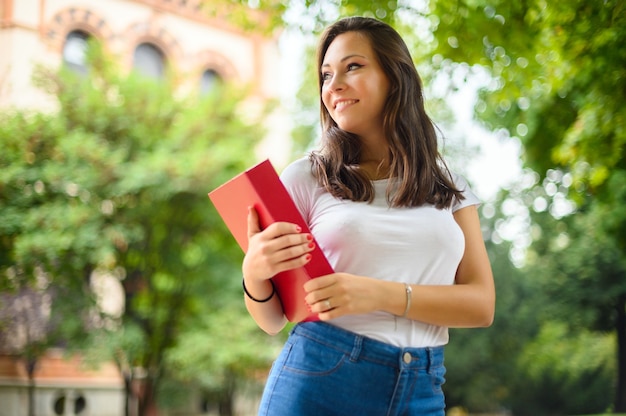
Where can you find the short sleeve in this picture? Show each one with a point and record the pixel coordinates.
(301, 185)
(470, 197)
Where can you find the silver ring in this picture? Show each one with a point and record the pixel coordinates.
(328, 307)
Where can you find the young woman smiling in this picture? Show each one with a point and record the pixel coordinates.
(400, 230)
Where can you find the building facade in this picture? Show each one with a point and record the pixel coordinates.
(62, 386)
(149, 35)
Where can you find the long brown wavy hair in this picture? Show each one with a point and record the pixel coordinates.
(413, 154)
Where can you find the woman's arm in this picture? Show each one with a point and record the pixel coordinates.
(468, 303)
(279, 247)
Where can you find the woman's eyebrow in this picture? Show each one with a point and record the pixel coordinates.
(345, 58)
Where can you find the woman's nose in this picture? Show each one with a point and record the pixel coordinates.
(336, 83)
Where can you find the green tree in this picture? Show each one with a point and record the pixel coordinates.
(580, 269)
(200, 359)
(559, 84)
(573, 267)
(482, 371)
(115, 182)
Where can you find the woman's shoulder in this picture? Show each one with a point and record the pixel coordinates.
(301, 184)
(459, 180)
(461, 183)
(298, 172)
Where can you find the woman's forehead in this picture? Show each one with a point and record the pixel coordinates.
(348, 45)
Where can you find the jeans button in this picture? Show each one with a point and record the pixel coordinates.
(407, 357)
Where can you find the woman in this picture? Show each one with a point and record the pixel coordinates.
(401, 232)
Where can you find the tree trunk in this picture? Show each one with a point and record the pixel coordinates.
(128, 395)
(147, 400)
(225, 405)
(227, 395)
(30, 370)
(620, 393)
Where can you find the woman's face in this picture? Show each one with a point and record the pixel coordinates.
(354, 88)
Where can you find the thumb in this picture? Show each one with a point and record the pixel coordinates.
(253, 222)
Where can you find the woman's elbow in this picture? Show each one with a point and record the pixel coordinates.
(272, 331)
(487, 314)
(486, 320)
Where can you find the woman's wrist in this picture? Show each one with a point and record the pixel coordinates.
(396, 298)
(258, 299)
(409, 297)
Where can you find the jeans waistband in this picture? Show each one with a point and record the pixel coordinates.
(359, 347)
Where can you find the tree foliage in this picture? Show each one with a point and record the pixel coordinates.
(558, 83)
(115, 183)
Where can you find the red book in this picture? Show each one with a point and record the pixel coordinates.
(261, 187)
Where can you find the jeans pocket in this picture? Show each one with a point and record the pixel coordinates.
(311, 357)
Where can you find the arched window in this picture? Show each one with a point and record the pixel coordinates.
(59, 405)
(149, 60)
(75, 51)
(80, 405)
(210, 81)
(62, 405)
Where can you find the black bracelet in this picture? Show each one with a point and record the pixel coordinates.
(243, 283)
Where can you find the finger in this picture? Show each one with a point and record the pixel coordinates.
(253, 222)
(319, 283)
(290, 246)
(292, 263)
(331, 314)
(325, 306)
(319, 297)
(278, 229)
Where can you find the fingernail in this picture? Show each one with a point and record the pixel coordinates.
(298, 228)
(311, 245)
(309, 237)
(308, 257)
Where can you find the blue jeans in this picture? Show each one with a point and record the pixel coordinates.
(326, 371)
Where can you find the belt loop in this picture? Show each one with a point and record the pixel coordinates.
(429, 357)
(356, 349)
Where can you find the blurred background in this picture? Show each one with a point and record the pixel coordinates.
(120, 286)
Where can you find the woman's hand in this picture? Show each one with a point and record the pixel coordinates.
(339, 294)
(279, 247)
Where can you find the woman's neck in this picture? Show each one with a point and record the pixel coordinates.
(375, 169)
(374, 159)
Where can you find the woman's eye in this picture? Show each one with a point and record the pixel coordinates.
(352, 67)
(326, 76)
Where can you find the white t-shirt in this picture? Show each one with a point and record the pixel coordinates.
(422, 245)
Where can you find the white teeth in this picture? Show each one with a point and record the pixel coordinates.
(342, 104)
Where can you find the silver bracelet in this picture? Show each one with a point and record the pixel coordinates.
(409, 291)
